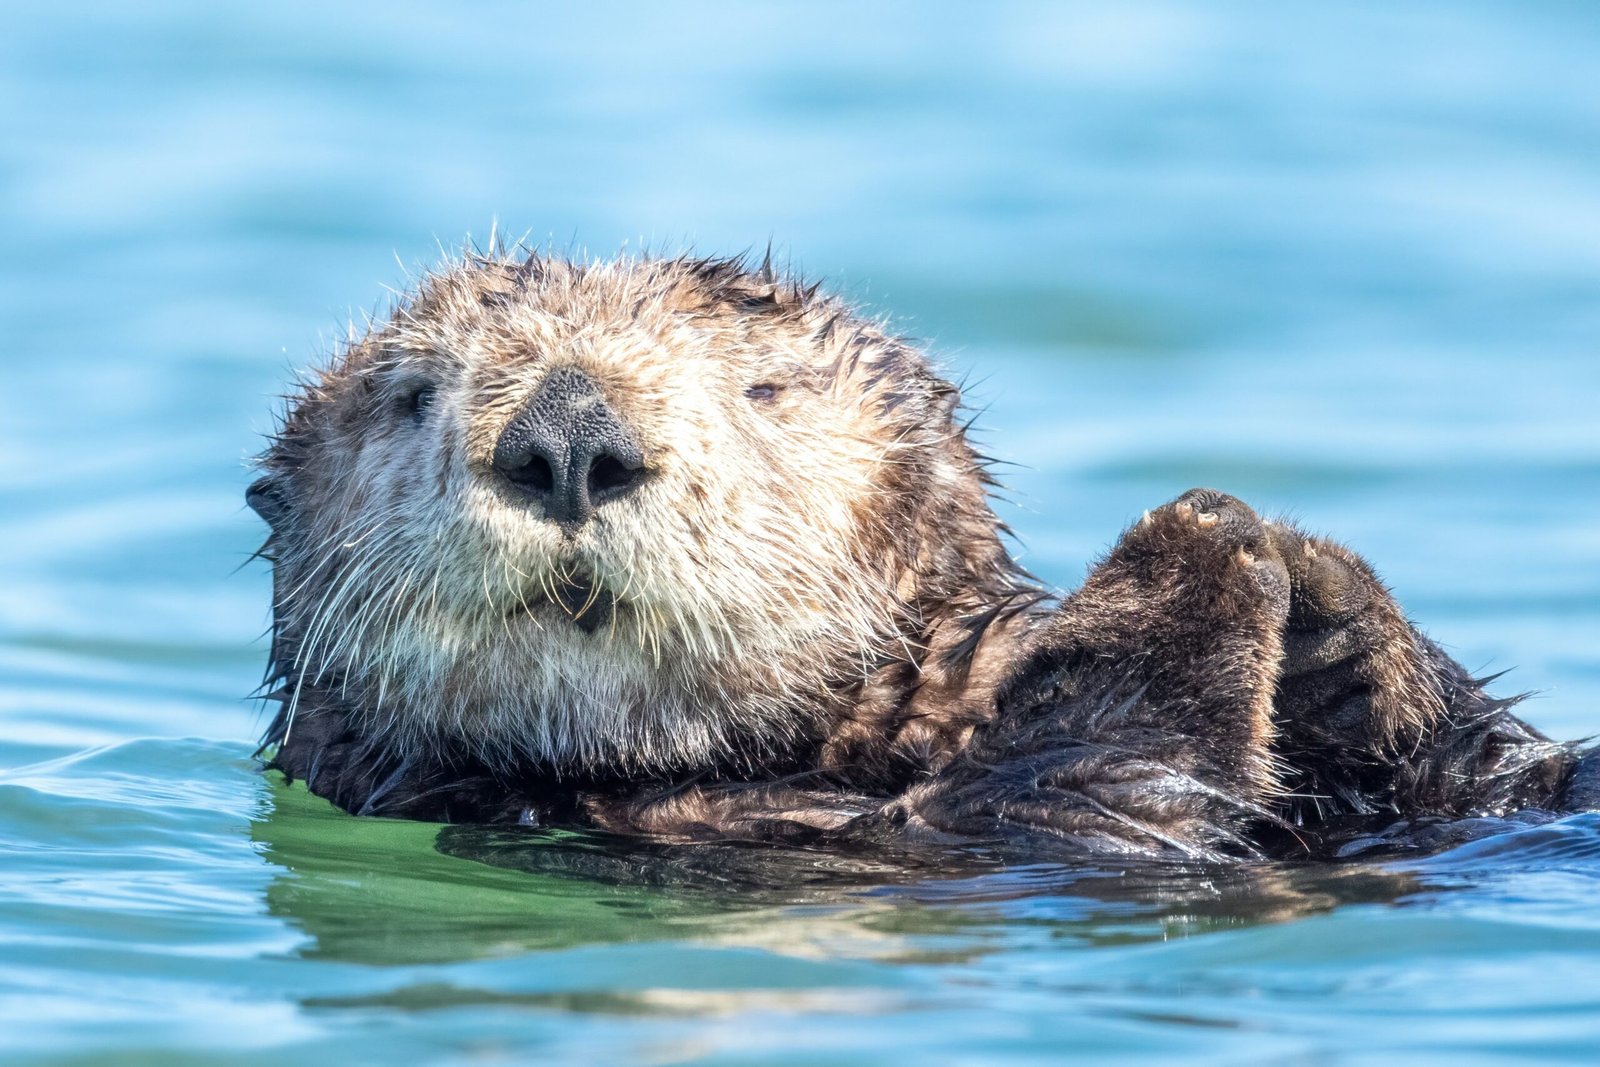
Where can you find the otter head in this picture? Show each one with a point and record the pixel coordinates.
(632, 515)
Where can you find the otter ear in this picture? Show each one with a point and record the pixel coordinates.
(267, 498)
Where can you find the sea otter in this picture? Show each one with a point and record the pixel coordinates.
(688, 548)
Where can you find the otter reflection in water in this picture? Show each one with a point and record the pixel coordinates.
(466, 891)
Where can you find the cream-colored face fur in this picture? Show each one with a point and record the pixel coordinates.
(766, 564)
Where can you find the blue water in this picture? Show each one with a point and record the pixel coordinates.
(1342, 260)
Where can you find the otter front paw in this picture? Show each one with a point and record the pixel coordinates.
(1189, 607)
(1374, 717)
(1141, 717)
(1357, 679)
(1210, 545)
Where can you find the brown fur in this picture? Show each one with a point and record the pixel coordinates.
(803, 620)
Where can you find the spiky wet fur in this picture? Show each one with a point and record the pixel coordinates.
(812, 607)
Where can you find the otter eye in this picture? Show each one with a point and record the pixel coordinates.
(765, 392)
(418, 398)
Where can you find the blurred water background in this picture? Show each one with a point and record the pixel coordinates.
(1342, 260)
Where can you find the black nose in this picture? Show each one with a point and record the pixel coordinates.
(568, 450)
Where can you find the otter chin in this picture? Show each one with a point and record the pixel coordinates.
(586, 605)
(687, 547)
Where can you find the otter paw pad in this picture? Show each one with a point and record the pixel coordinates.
(1210, 532)
(1206, 516)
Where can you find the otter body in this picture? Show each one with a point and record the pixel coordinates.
(683, 548)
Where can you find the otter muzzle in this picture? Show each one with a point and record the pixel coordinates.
(568, 450)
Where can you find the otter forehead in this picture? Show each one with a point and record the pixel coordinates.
(501, 321)
(671, 344)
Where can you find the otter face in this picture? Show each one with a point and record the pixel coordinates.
(618, 514)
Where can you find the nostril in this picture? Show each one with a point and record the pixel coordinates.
(535, 474)
(566, 451)
(610, 476)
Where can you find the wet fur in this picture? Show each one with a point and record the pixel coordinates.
(814, 629)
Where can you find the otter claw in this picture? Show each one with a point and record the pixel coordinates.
(1184, 510)
(1243, 556)
(1145, 521)
(1207, 518)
